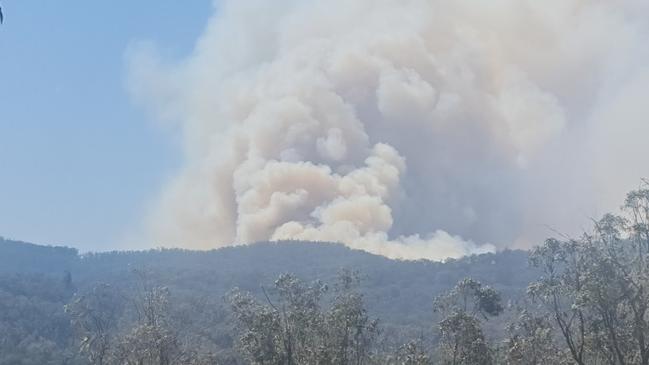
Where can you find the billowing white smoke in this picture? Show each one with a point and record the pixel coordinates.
(408, 128)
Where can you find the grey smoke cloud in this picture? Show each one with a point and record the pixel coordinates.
(411, 129)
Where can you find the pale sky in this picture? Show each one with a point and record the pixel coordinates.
(79, 161)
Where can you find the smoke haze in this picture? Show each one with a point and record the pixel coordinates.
(410, 128)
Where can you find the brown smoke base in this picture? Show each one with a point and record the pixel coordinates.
(407, 128)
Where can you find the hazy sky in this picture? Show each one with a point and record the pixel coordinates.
(407, 128)
(412, 129)
(78, 161)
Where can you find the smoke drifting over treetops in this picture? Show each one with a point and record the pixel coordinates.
(410, 128)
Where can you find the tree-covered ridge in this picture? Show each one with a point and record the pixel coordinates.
(581, 301)
(400, 293)
(23, 257)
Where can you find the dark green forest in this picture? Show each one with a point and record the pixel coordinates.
(570, 301)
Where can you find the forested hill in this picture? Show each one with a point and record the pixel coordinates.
(584, 302)
(401, 284)
(23, 257)
(42, 279)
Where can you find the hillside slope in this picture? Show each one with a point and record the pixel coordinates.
(399, 292)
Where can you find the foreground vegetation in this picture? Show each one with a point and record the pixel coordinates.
(580, 301)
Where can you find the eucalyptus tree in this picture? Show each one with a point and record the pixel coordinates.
(291, 327)
(284, 331)
(152, 341)
(462, 341)
(94, 316)
(597, 287)
(130, 329)
(412, 353)
(349, 331)
(530, 341)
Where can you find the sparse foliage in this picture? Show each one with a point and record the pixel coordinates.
(412, 353)
(94, 316)
(462, 340)
(597, 287)
(293, 328)
(530, 341)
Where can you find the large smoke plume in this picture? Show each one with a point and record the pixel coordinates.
(408, 128)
